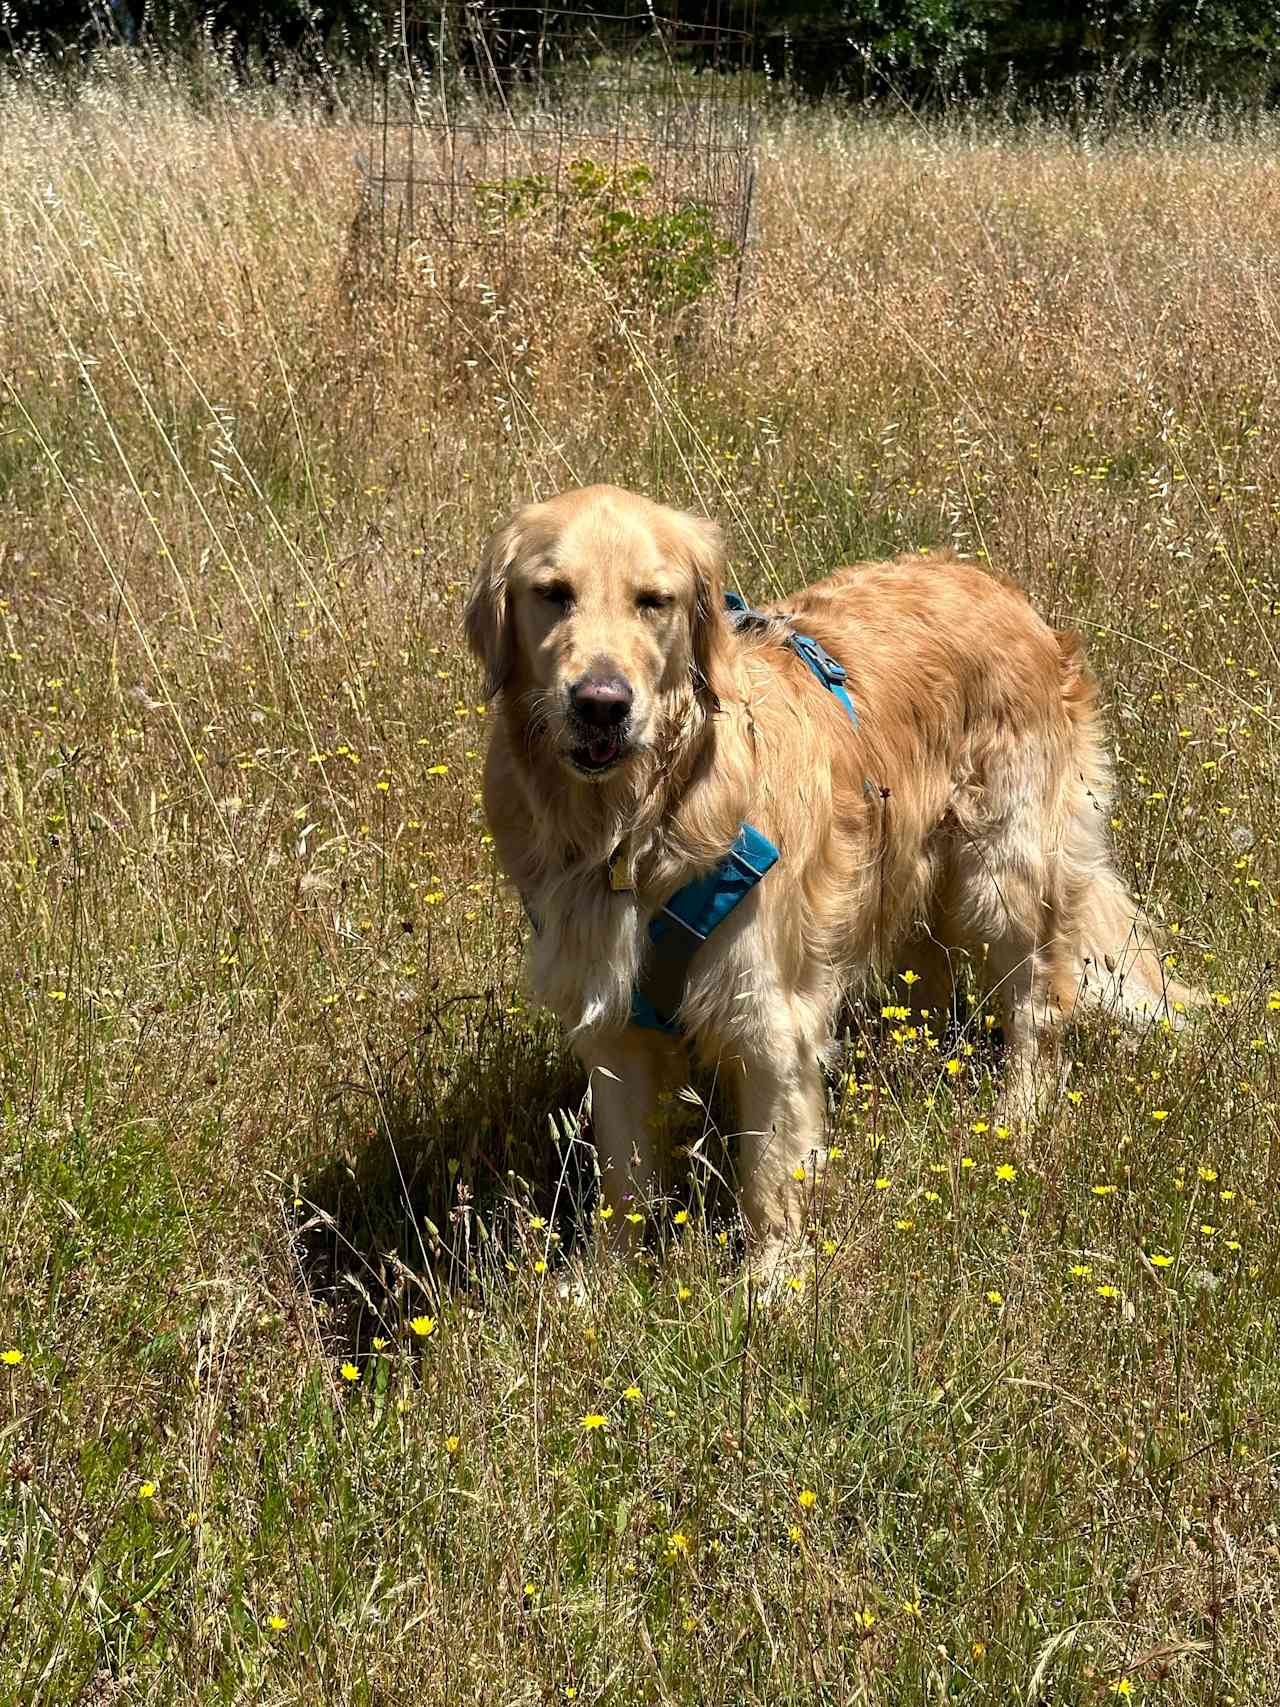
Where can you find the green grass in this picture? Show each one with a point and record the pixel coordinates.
(270, 1094)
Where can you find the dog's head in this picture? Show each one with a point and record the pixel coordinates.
(600, 612)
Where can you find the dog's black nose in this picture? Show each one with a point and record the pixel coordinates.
(603, 700)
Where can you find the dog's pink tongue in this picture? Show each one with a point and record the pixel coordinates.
(602, 748)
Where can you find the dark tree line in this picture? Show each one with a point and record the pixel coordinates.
(353, 28)
(1182, 47)
(919, 50)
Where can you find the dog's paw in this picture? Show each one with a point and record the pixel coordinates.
(1033, 1092)
(779, 1268)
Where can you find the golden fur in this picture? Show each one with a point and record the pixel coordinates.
(966, 813)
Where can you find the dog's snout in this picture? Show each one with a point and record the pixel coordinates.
(602, 698)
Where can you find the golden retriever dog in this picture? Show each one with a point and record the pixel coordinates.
(639, 728)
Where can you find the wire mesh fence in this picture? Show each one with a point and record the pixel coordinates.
(621, 137)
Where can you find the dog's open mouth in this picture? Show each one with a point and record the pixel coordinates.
(599, 753)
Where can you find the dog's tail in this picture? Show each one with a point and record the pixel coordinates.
(1113, 958)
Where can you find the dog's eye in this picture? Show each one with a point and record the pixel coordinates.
(557, 594)
(653, 601)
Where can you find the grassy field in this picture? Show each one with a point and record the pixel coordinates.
(319, 1382)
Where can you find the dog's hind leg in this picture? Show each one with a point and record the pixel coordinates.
(997, 908)
(1022, 977)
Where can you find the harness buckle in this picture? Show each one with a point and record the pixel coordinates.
(818, 659)
(741, 614)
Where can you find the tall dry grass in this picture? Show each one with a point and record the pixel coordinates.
(298, 1251)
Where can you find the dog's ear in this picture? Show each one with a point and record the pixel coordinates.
(703, 549)
(487, 619)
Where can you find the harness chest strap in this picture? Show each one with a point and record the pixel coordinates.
(679, 928)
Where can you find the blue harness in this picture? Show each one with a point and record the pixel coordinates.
(680, 927)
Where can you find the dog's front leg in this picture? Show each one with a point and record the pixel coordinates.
(781, 1108)
(628, 1071)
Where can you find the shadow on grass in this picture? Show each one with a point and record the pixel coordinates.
(428, 1164)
